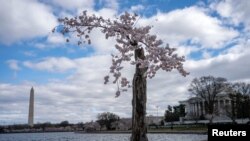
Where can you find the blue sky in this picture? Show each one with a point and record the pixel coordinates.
(68, 80)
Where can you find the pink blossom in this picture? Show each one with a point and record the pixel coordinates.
(128, 38)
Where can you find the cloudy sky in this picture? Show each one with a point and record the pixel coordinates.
(68, 79)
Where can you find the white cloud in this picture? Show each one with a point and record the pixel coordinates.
(137, 8)
(40, 45)
(53, 40)
(236, 11)
(185, 50)
(24, 20)
(82, 95)
(29, 53)
(86, 90)
(75, 4)
(52, 64)
(80, 100)
(56, 38)
(101, 44)
(231, 65)
(191, 23)
(13, 65)
(223, 8)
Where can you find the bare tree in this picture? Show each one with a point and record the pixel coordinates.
(149, 57)
(239, 93)
(241, 87)
(207, 88)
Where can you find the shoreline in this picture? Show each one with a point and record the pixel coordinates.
(117, 132)
(150, 132)
(36, 132)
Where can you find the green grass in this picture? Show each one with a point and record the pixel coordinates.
(179, 128)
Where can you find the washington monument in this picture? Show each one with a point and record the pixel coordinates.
(31, 108)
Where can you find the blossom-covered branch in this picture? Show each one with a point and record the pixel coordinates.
(128, 38)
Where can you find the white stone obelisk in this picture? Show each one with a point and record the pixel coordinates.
(31, 108)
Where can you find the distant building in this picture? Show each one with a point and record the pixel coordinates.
(126, 123)
(123, 124)
(91, 126)
(196, 107)
(31, 108)
(154, 120)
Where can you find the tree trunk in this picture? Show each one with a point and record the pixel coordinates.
(139, 127)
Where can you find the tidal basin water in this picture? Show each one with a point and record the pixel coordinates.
(70, 136)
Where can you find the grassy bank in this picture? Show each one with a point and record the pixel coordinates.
(179, 128)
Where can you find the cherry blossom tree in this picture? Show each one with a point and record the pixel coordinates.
(150, 55)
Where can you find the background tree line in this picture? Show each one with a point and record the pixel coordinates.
(173, 113)
(104, 119)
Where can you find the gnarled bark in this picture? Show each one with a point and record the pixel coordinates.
(139, 127)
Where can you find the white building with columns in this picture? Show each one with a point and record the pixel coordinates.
(195, 107)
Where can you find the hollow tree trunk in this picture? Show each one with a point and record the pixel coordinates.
(139, 127)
